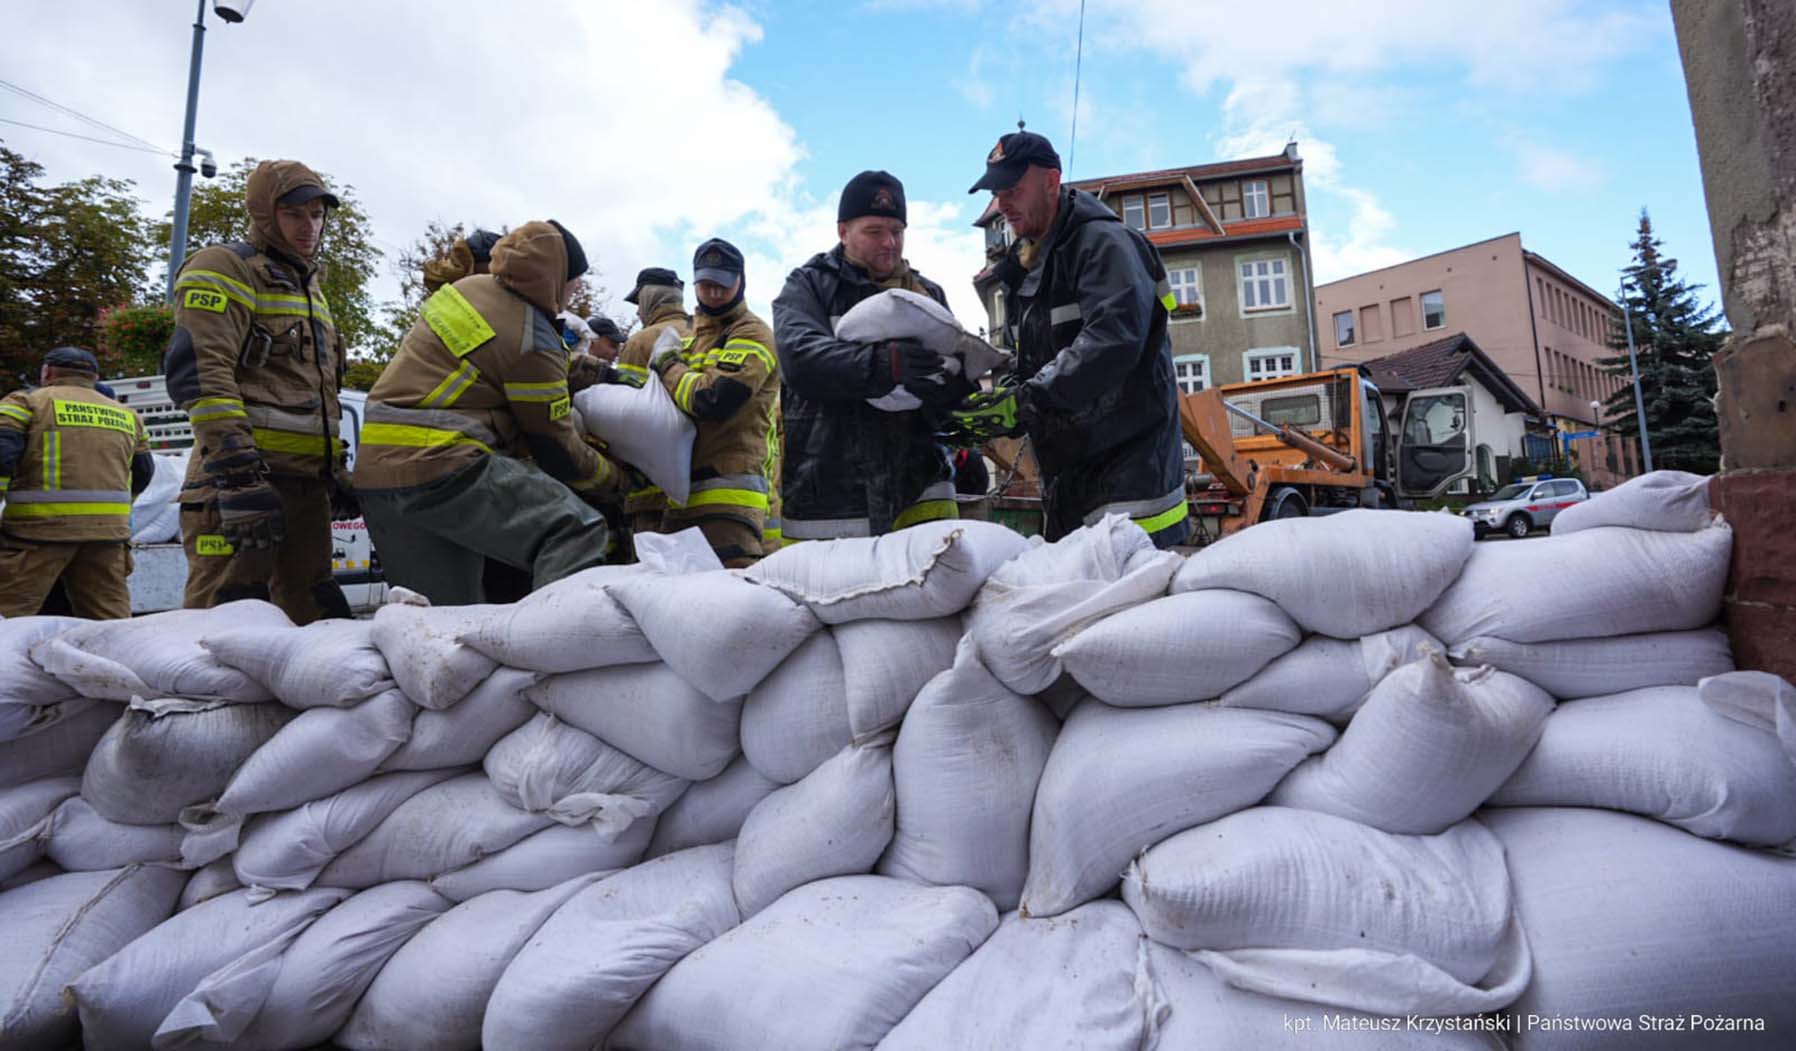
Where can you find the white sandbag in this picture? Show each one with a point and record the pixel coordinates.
(1428, 747)
(126, 1001)
(1275, 878)
(83, 841)
(1347, 575)
(37, 870)
(589, 962)
(1756, 698)
(1661, 753)
(168, 754)
(432, 994)
(1079, 982)
(1208, 1012)
(208, 882)
(920, 573)
(22, 683)
(23, 720)
(1187, 647)
(59, 927)
(287, 851)
(159, 655)
(649, 712)
(1593, 583)
(644, 428)
(1627, 918)
(967, 762)
(711, 811)
(156, 512)
(549, 767)
(1576, 668)
(857, 952)
(835, 822)
(60, 749)
(25, 821)
(885, 663)
(320, 753)
(570, 625)
(331, 964)
(797, 717)
(440, 829)
(1120, 780)
(543, 859)
(1667, 501)
(899, 313)
(328, 664)
(676, 554)
(1327, 677)
(424, 649)
(717, 630)
(1047, 594)
(461, 735)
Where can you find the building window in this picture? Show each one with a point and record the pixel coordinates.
(1270, 363)
(1371, 327)
(1344, 329)
(1187, 288)
(1403, 317)
(1159, 212)
(1191, 372)
(1256, 203)
(1264, 285)
(1134, 216)
(1434, 310)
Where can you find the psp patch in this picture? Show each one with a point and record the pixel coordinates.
(201, 299)
(559, 408)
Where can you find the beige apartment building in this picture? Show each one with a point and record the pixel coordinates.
(1235, 240)
(1545, 329)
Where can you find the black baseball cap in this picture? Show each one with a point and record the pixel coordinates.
(481, 243)
(308, 192)
(717, 261)
(654, 275)
(1012, 156)
(73, 358)
(604, 326)
(576, 256)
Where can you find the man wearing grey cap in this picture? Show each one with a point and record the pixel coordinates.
(1089, 301)
(71, 459)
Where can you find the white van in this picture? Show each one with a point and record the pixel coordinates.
(159, 573)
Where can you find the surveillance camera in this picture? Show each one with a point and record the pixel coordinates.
(232, 10)
(208, 163)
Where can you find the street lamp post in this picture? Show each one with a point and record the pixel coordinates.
(1627, 320)
(177, 237)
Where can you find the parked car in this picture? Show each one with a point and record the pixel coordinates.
(1520, 508)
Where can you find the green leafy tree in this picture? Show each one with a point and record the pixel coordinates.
(1677, 338)
(135, 337)
(401, 314)
(68, 253)
(348, 256)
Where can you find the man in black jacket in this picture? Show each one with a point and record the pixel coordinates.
(1094, 391)
(852, 469)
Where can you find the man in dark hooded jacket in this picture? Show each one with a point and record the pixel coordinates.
(1095, 392)
(852, 469)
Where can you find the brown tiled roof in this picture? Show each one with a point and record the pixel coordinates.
(1440, 364)
(1196, 172)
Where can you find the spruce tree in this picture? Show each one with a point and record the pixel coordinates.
(1676, 338)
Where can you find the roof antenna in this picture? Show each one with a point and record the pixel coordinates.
(1072, 145)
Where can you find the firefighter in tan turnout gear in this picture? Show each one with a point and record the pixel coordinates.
(479, 384)
(660, 300)
(71, 459)
(257, 363)
(726, 377)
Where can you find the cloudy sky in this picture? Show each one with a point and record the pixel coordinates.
(647, 127)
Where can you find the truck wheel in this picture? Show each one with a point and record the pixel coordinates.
(1285, 503)
(1518, 526)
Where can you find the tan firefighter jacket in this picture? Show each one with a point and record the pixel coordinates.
(727, 379)
(484, 372)
(72, 482)
(255, 350)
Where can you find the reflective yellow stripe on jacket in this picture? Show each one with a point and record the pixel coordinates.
(413, 436)
(278, 303)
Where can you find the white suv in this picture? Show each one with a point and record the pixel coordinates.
(1519, 508)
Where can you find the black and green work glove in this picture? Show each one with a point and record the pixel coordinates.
(250, 516)
(999, 413)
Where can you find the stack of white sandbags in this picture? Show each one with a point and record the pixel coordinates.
(942, 788)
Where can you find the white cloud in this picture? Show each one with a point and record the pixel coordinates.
(1555, 170)
(972, 85)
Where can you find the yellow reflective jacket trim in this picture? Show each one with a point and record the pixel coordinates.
(456, 322)
(22, 415)
(549, 391)
(264, 303)
(205, 410)
(1169, 301)
(728, 498)
(412, 436)
(683, 390)
(214, 277)
(5, 483)
(926, 511)
(640, 371)
(1170, 517)
(454, 385)
(270, 440)
(52, 460)
(61, 510)
(647, 490)
(599, 477)
(756, 349)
